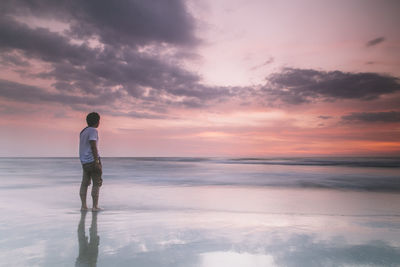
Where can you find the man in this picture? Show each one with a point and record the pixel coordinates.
(90, 159)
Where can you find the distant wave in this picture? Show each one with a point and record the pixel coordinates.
(381, 184)
(357, 174)
(385, 162)
(351, 162)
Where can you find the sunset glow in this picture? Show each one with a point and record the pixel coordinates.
(201, 78)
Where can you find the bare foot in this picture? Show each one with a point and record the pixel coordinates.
(84, 209)
(95, 209)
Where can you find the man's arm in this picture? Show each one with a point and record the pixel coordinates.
(95, 153)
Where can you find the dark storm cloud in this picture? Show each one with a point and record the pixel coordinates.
(297, 86)
(134, 114)
(33, 94)
(387, 116)
(40, 43)
(88, 69)
(105, 103)
(375, 41)
(122, 28)
(140, 76)
(134, 22)
(135, 59)
(10, 59)
(123, 22)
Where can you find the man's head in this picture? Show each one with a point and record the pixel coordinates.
(93, 119)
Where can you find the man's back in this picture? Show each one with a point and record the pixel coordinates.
(85, 152)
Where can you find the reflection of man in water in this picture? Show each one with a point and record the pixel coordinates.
(88, 250)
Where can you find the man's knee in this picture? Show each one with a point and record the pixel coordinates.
(97, 181)
(85, 183)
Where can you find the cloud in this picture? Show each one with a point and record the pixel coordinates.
(131, 52)
(85, 68)
(325, 117)
(297, 86)
(125, 22)
(372, 117)
(267, 62)
(106, 103)
(33, 94)
(375, 41)
(12, 59)
(310, 252)
(134, 54)
(40, 43)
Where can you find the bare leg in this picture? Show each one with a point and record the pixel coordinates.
(97, 182)
(82, 194)
(95, 197)
(95, 203)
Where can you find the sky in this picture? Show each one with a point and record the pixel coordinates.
(226, 78)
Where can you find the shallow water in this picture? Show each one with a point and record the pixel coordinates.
(202, 212)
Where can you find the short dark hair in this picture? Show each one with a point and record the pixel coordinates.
(92, 119)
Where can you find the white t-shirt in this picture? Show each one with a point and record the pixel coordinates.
(85, 151)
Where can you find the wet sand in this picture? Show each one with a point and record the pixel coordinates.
(149, 225)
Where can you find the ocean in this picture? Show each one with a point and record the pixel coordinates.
(203, 212)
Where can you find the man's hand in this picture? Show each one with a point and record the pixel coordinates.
(97, 165)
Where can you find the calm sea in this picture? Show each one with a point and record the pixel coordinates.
(203, 212)
(369, 174)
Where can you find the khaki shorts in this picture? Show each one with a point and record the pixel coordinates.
(91, 172)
